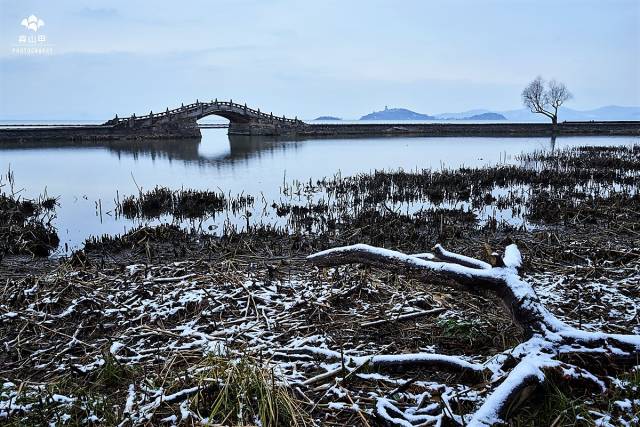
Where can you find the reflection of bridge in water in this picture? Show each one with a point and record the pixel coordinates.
(240, 149)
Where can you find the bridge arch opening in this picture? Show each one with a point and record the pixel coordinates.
(229, 116)
(213, 119)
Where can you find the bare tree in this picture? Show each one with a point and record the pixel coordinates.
(545, 100)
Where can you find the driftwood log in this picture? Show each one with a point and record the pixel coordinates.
(552, 349)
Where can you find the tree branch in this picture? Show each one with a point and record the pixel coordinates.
(447, 256)
(475, 372)
(527, 373)
(517, 295)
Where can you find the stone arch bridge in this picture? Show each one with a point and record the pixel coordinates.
(182, 121)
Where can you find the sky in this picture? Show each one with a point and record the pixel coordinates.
(306, 59)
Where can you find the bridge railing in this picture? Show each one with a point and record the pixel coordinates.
(204, 105)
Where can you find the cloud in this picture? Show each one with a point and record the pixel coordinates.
(99, 13)
(306, 59)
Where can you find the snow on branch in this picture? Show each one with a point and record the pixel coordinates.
(452, 257)
(443, 362)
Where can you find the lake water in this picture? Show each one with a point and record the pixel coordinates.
(83, 175)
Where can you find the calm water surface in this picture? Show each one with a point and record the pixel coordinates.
(82, 174)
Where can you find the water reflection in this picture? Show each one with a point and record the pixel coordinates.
(196, 151)
(241, 148)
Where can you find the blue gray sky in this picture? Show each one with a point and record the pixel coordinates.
(344, 58)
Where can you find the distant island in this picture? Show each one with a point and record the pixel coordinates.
(327, 118)
(396, 114)
(405, 114)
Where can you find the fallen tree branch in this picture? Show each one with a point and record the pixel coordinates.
(454, 258)
(547, 337)
(396, 362)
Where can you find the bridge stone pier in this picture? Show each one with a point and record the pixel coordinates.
(182, 122)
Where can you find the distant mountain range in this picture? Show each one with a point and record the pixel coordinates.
(611, 112)
(482, 116)
(404, 114)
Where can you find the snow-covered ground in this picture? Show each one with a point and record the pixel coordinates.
(316, 330)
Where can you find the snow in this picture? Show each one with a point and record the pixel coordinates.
(512, 257)
(116, 347)
(426, 255)
(184, 410)
(171, 419)
(420, 357)
(610, 290)
(134, 268)
(374, 376)
(409, 260)
(602, 420)
(452, 255)
(58, 398)
(166, 315)
(528, 370)
(382, 405)
(99, 361)
(624, 404)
